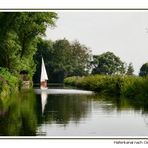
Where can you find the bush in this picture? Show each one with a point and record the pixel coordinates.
(135, 87)
(8, 77)
(126, 86)
(7, 81)
(98, 83)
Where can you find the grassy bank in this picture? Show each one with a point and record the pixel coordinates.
(8, 82)
(125, 86)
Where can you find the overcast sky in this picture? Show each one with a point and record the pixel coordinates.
(122, 32)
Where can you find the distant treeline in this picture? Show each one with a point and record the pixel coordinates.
(64, 59)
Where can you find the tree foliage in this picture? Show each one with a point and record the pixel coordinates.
(45, 50)
(18, 38)
(130, 69)
(144, 70)
(80, 59)
(107, 63)
(62, 59)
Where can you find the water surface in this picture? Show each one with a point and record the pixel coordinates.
(72, 112)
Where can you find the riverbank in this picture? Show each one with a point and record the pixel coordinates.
(133, 87)
(8, 83)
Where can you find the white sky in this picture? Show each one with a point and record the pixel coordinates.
(122, 32)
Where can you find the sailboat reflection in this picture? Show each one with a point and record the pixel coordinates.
(43, 100)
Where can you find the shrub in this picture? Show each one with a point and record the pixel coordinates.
(8, 77)
(125, 86)
(7, 81)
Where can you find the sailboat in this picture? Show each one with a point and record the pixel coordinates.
(44, 77)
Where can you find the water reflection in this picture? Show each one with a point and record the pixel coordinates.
(17, 115)
(81, 114)
(61, 109)
(76, 113)
(43, 100)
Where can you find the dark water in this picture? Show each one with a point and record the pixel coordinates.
(70, 112)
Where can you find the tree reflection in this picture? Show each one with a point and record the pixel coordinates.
(64, 108)
(21, 114)
(61, 109)
(17, 115)
(122, 103)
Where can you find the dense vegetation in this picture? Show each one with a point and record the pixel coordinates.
(22, 46)
(62, 59)
(125, 86)
(18, 38)
(8, 82)
(110, 76)
(19, 34)
(107, 63)
(144, 70)
(130, 69)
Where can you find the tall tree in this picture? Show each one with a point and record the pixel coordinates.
(18, 37)
(107, 63)
(80, 59)
(130, 69)
(45, 50)
(62, 59)
(144, 70)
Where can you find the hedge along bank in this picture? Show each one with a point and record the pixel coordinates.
(125, 86)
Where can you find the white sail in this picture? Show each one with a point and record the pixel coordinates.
(43, 72)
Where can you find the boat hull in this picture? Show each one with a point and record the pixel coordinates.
(43, 85)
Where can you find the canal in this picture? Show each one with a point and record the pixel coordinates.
(71, 112)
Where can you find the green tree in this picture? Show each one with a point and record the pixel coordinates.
(62, 59)
(71, 58)
(130, 69)
(18, 37)
(107, 63)
(80, 59)
(144, 70)
(55, 56)
(45, 50)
